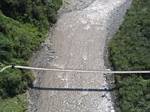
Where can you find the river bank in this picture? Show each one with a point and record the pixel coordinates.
(115, 20)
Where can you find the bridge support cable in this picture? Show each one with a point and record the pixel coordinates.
(107, 71)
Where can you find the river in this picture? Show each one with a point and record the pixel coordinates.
(77, 41)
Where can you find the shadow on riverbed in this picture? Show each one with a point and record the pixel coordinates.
(73, 89)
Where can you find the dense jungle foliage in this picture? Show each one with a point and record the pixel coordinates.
(130, 50)
(23, 26)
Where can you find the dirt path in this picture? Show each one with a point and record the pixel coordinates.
(79, 41)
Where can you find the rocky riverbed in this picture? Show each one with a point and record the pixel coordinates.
(78, 41)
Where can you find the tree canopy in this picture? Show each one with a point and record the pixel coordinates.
(130, 50)
(23, 26)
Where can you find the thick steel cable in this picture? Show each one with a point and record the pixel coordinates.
(74, 70)
(6, 67)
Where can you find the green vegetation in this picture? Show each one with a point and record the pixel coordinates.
(38, 12)
(130, 50)
(23, 26)
(16, 104)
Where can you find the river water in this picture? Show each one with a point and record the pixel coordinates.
(78, 41)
